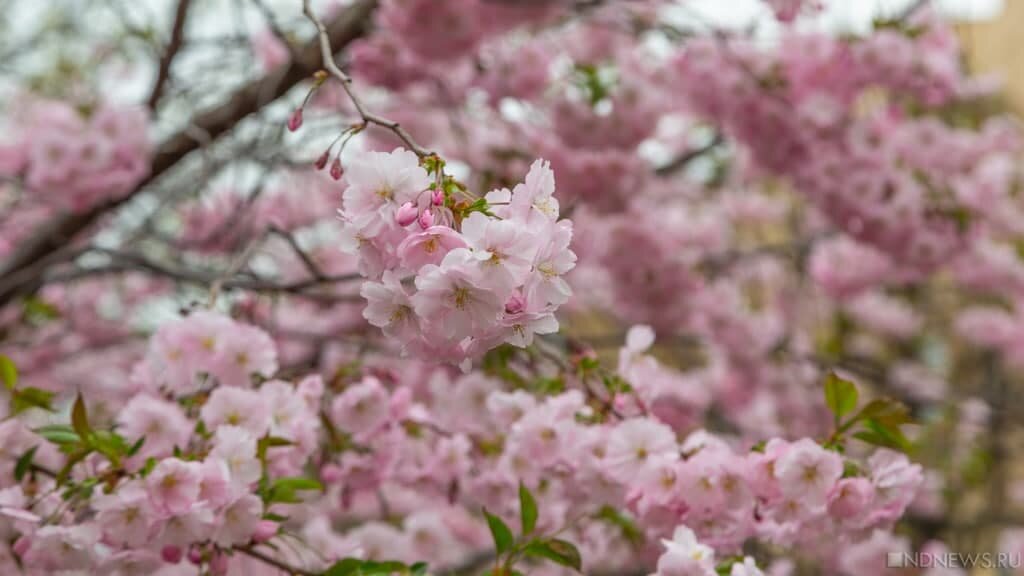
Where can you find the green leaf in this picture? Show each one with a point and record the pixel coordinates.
(840, 396)
(110, 444)
(418, 569)
(344, 567)
(8, 372)
(373, 568)
(24, 463)
(880, 434)
(886, 411)
(558, 551)
(134, 449)
(630, 530)
(284, 489)
(147, 467)
(79, 418)
(503, 539)
(60, 434)
(357, 567)
(527, 509)
(26, 398)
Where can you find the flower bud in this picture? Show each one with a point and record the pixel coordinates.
(336, 170)
(195, 555)
(218, 564)
(515, 304)
(265, 530)
(171, 554)
(322, 160)
(437, 197)
(330, 474)
(295, 122)
(426, 219)
(21, 545)
(406, 214)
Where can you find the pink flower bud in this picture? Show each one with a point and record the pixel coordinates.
(437, 197)
(171, 554)
(515, 304)
(219, 564)
(21, 545)
(295, 122)
(195, 555)
(406, 214)
(265, 530)
(426, 219)
(322, 160)
(336, 170)
(331, 474)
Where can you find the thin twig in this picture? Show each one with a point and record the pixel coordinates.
(173, 47)
(279, 564)
(327, 53)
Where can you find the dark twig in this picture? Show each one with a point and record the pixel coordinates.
(173, 47)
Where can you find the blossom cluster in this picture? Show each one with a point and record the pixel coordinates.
(72, 158)
(840, 123)
(197, 479)
(451, 280)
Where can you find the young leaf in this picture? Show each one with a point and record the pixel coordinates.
(418, 569)
(79, 418)
(283, 489)
(344, 567)
(24, 463)
(840, 395)
(886, 411)
(60, 434)
(527, 509)
(880, 434)
(373, 568)
(25, 398)
(556, 550)
(8, 372)
(503, 539)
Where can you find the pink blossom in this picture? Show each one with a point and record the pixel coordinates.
(173, 486)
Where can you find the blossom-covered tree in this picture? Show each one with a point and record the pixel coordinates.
(500, 287)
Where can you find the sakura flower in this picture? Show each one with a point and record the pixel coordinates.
(237, 407)
(238, 521)
(429, 246)
(638, 444)
(685, 556)
(388, 307)
(161, 423)
(452, 299)
(125, 516)
(809, 472)
(173, 486)
(503, 248)
(236, 446)
(362, 408)
(378, 183)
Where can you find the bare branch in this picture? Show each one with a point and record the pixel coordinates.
(327, 56)
(173, 47)
(20, 273)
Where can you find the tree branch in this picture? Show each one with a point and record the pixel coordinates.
(327, 56)
(280, 565)
(19, 275)
(173, 47)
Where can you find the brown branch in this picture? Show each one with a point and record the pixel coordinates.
(279, 564)
(173, 47)
(327, 57)
(20, 274)
(684, 159)
(124, 262)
